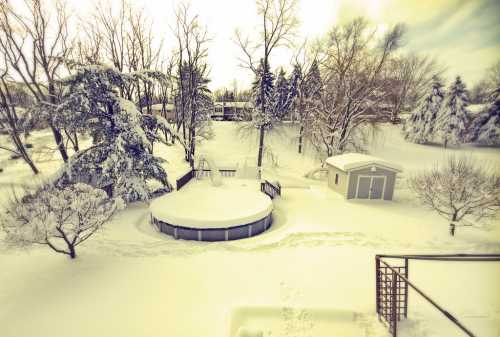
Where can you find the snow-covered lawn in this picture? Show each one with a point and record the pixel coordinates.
(310, 275)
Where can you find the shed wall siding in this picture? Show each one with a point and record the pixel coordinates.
(341, 187)
(380, 172)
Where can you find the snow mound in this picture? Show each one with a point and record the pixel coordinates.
(350, 161)
(201, 205)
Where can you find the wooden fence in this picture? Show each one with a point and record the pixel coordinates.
(392, 284)
(272, 190)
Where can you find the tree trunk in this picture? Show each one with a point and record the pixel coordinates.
(453, 225)
(22, 151)
(262, 130)
(72, 252)
(76, 145)
(301, 132)
(60, 143)
(57, 134)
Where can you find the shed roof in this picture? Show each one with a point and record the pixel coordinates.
(351, 161)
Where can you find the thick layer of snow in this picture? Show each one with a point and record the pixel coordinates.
(350, 161)
(201, 205)
(131, 281)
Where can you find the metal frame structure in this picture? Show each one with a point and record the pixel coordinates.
(392, 285)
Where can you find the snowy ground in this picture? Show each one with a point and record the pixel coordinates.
(310, 275)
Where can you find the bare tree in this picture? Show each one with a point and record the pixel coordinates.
(124, 37)
(486, 87)
(459, 189)
(192, 78)
(407, 80)
(353, 83)
(279, 23)
(58, 218)
(35, 46)
(493, 76)
(10, 121)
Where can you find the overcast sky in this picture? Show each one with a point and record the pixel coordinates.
(463, 34)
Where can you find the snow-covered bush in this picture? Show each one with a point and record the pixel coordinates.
(459, 189)
(121, 153)
(485, 129)
(454, 115)
(419, 128)
(59, 218)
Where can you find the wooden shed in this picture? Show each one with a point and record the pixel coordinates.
(360, 176)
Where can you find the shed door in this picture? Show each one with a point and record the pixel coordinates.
(377, 188)
(363, 187)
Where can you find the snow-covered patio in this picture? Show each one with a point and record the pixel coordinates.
(310, 275)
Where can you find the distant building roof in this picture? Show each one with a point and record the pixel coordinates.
(240, 104)
(351, 161)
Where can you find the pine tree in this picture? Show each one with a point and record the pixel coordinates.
(263, 86)
(282, 99)
(420, 127)
(485, 129)
(293, 92)
(313, 83)
(121, 153)
(454, 115)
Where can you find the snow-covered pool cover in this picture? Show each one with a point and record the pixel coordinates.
(350, 161)
(201, 205)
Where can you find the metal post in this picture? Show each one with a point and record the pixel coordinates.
(406, 290)
(377, 284)
(394, 308)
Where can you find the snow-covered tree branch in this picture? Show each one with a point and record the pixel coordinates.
(459, 189)
(59, 218)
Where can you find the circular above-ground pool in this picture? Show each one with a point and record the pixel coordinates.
(204, 212)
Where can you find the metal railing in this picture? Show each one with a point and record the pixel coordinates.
(202, 173)
(392, 287)
(223, 172)
(184, 179)
(272, 190)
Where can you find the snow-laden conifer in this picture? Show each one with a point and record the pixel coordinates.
(485, 129)
(454, 115)
(420, 127)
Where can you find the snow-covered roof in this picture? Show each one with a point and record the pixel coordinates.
(351, 161)
(240, 104)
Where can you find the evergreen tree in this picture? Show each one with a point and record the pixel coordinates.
(263, 86)
(419, 128)
(485, 129)
(121, 153)
(453, 117)
(293, 92)
(282, 99)
(312, 83)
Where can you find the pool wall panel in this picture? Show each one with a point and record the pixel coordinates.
(215, 234)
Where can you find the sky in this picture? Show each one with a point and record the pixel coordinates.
(464, 35)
